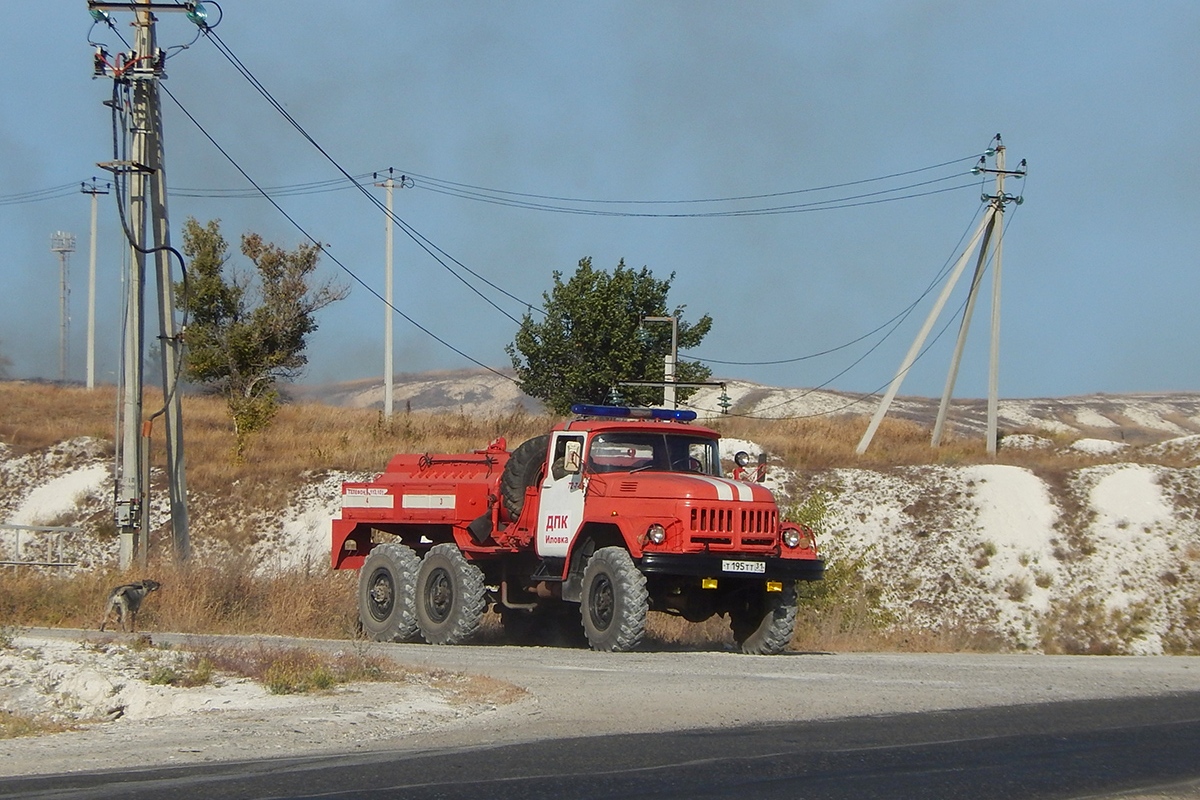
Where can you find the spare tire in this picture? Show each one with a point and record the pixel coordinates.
(521, 471)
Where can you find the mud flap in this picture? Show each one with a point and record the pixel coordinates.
(481, 527)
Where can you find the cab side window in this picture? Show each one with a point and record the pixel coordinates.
(568, 453)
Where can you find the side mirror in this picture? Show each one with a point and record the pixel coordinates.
(573, 457)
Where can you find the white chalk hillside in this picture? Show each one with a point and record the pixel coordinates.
(1109, 562)
(1105, 559)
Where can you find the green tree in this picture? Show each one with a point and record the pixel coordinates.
(592, 336)
(247, 332)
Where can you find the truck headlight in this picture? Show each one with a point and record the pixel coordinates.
(656, 534)
(799, 536)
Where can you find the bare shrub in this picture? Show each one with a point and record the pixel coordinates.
(1017, 588)
(1083, 625)
(983, 554)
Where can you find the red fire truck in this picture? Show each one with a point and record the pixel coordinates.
(582, 532)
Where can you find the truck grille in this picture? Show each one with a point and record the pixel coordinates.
(722, 526)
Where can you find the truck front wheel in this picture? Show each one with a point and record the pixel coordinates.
(386, 607)
(615, 601)
(763, 622)
(450, 596)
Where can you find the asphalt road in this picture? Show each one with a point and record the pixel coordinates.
(1061, 750)
(718, 724)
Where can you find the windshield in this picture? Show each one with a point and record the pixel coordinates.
(665, 452)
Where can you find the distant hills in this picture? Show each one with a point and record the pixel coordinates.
(1133, 418)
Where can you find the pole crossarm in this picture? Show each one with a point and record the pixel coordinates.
(95, 5)
(682, 384)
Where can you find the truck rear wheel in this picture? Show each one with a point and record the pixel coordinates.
(763, 622)
(386, 606)
(520, 473)
(615, 601)
(450, 596)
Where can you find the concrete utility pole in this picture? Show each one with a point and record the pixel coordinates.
(389, 371)
(669, 361)
(94, 190)
(991, 226)
(63, 244)
(140, 71)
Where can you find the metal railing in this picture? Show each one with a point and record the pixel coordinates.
(53, 550)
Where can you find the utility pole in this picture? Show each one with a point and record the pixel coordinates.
(94, 190)
(140, 71)
(389, 372)
(670, 361)
(63, 244)
(991, 226)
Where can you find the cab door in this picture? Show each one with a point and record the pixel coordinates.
(560, 507)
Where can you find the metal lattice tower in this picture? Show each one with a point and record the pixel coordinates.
(63, 244)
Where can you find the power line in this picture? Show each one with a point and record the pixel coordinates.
(292, 220)
(903, 314)
(458, 189)
(850, 201)
(421, 241)
(858, 399)
(468, 191)
(487, 190)
(38, 195)
(861, 397)
(322, 248)
(288, 190)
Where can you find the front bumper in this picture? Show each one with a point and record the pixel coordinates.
(707, 565)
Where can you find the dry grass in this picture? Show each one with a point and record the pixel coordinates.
(822, 443)
(826, 442)
(38, 415)
(312, 438)
(461, 689)
(295, 670)
(214, 598)
(303, 439)
(13, 725)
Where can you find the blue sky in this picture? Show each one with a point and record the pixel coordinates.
(660, 101)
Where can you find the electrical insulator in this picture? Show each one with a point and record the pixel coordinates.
(160, 61)
(99, 62)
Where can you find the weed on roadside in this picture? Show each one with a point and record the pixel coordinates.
(13, 725)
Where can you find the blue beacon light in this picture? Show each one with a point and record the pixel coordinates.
(624, 412)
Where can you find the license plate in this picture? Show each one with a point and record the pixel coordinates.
(743, 566)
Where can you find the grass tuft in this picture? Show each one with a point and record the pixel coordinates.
(13, 725)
